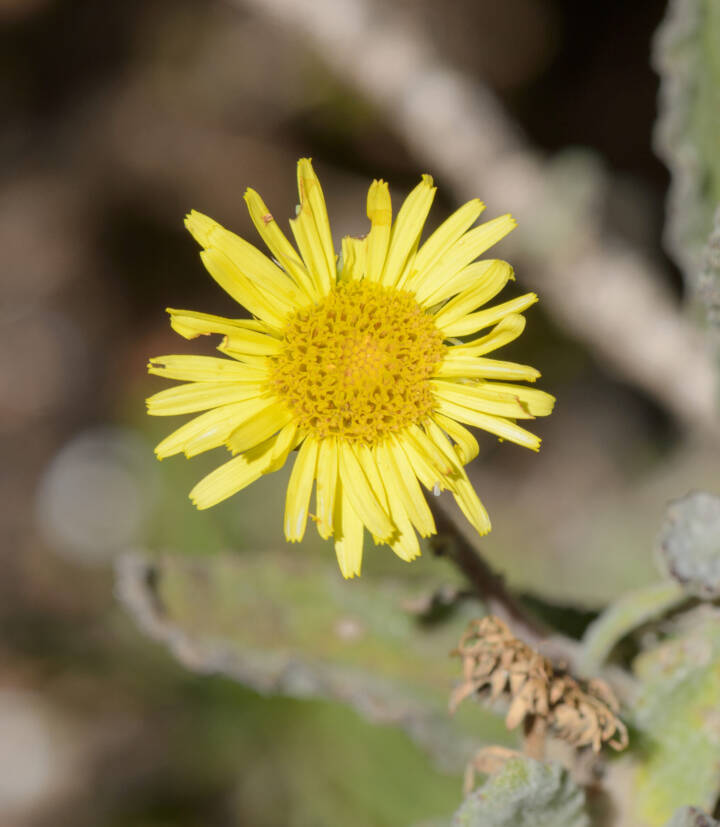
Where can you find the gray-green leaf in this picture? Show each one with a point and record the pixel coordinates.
(689, 543)
(687, 57)
(285, 622)
(676, 720)
(692, 817)
(525, 793)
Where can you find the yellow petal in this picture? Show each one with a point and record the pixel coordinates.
(445, 237)
(299, 489)
(425, 464)
(432, 293)
(249, 360)
(401, 482)
(229, 277)
(404, 541)
(314, 227)
(407, 228)
(479, 398)
(503, 428)
(471, 367)
(288, 439)
(226, 480)
(200, 227)
(253, 264)
(461, 487)
(484, 318)
(379, 211)
(306, 238)
(369, 464)
(209, 430)
(327, 465)
(239, 472)
(348, 535)
(440, 442)
(406, 544)
(445, 464)
(539, 403)
(408, 270)
(360, 494)
(354, 258)
(199, 396)
(278, 244)
(466, 446)
(487, 286)
(190, 324)
(466, 249)
(471, 506)
(258, 427)
(204, 369)
(251, 343)
(503, 333)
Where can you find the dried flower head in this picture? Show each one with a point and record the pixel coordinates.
(498, 665)
(355, 363)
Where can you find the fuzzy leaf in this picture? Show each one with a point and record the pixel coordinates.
(709, 279)
(525, 793)
(691, 817)
(687, 58)
(285, 622)
(676, 718)
(622, 617)
(689, 543)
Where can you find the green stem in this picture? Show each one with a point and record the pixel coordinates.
(626, 614)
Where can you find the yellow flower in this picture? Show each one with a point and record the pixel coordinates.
(354, 363)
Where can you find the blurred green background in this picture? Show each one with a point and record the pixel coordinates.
(119, 118)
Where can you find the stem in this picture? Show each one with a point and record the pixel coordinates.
(620, 618)
(490, 586)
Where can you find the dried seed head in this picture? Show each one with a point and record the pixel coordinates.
(496, 664)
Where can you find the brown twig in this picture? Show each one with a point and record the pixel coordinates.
(489, 585)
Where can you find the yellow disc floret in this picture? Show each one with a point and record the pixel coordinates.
(357, 364)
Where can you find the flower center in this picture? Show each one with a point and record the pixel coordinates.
(357, 365)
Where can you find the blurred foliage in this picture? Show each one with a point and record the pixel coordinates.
(691, 817)
(622, 617)
(525, 793)
(687, 57)
(288, 624)
(676, 718)
(193, 750)
(709, 280)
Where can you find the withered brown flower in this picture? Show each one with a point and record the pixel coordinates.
(541, 696)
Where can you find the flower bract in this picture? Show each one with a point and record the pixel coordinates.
(366, 365)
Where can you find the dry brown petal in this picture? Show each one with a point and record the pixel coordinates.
(603, 693)
(556, 691)
(566, 716)
(498, 682)
(621, 741)
(460, 693)
(517, 681)
(516, 713)
(542, 702)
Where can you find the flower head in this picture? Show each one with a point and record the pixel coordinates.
(353, 363)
